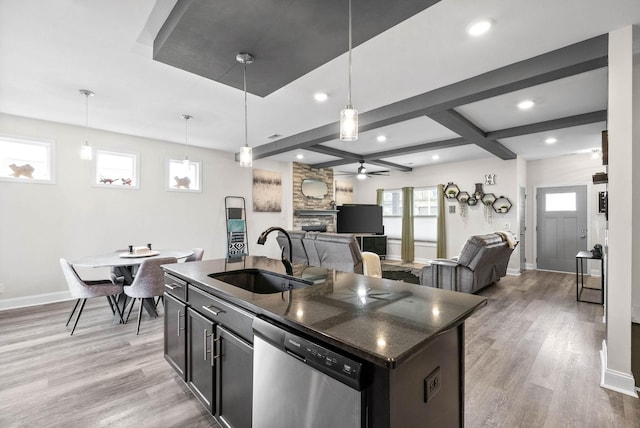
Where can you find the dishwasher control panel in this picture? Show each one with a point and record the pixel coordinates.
(331, 363)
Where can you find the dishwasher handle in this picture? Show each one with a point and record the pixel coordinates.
(269, 332)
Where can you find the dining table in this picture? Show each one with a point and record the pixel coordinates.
(124, 264)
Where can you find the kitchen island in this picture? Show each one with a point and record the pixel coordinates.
(409, 338)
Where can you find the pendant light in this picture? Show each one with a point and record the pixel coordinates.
(86, 152)
(349, 115)
(246, 156)
(186, 162)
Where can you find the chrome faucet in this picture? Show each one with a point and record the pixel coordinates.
(286, 262)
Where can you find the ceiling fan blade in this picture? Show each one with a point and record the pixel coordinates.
(386, 173)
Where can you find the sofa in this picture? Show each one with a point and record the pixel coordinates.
(482, 261)
(338, 251)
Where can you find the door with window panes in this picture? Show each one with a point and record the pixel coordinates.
(561, 226)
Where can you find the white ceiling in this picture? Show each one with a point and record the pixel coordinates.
(50, 50)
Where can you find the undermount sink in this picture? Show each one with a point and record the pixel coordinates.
(260, 281)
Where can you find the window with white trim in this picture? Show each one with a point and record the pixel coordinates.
(115, 169)
(26, 160)
(425, 213)
(181, 179)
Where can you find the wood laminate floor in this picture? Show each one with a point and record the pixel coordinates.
(532, 360)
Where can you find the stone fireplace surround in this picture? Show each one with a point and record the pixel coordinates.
(306, 206)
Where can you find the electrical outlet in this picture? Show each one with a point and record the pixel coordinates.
(507, 226)
(432, 384)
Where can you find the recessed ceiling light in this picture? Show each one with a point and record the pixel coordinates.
(320, 97)
(435, 157)
(480, 27)
(551, 140)
(381, 138)
(526, 104)
(299, 156)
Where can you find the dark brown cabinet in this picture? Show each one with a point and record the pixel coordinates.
(175, 339)
(209, 343)
(235, 372)
(201, 358)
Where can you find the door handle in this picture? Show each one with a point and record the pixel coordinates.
(583, 236)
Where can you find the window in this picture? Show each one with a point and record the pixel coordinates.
(425, 212)
(180, 180)
(560, 201)
(425, 201)
(116, 170)
(26, 160)
(392, 202)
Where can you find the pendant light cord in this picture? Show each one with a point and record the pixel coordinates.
(86, 111)
(349, 92)
(246, 126)
(186, 135)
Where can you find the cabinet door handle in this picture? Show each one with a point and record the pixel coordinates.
(180, 315)
(173, 286)
(213, 310)
(214, 357)
(204, 344)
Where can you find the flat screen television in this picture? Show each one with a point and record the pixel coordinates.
(360, 218)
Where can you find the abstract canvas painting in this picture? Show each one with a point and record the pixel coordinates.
(267, 191)
(344, 192)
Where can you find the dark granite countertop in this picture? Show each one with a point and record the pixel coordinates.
(379, 320)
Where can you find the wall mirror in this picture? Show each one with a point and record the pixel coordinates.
(314, 188)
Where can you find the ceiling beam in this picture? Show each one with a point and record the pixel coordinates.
(549, 125)
(424, 147)
(463, 127)
(348, 157)
(578, 58)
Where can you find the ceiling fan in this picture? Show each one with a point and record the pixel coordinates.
(362, 173)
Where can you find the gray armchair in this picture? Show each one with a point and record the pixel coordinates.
(148, 283)
(338, 251)
(83, 290)
(483, 260)
(196, 256)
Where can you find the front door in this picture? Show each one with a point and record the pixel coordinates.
(561, 226)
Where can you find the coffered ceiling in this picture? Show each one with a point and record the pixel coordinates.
(418, 78)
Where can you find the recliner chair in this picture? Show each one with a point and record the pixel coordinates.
(299, 252)
(338, 251)
(482, 261)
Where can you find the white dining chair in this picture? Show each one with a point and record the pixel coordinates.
(147, 284)
(82, 290)
(371, 265)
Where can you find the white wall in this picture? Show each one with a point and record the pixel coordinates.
(569, 170)
(39, 223)
(465, 175)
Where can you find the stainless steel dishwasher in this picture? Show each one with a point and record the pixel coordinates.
(301, 384)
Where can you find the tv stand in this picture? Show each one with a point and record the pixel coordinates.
(373, 243)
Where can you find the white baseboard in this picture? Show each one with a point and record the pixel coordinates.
(530, 266)
(514, 272)
(613, 379)
(38, 299)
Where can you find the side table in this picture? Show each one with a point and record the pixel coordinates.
(580, 258)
